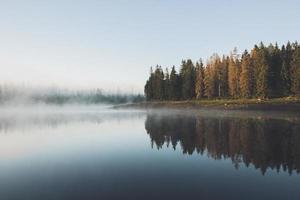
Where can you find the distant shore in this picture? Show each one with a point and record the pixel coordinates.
(284, 104)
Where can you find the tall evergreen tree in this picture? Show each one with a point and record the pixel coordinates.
(209, 81)
(295, 70)
(174, 85)
(167, 86)
(254, 60)
(246, 80)
(187, 77)
(220, 70)
(285, 73)
(261, 66)
(158, 83)
(224, 76)
(275, 64)
(233, 75)
(217, 70)
(149, 89)
(199, 82)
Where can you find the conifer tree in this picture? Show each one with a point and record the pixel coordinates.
(295, 70)
(167, 86)
(262, 81)
(259, 57)
(158, 84)
(209, 81)
(233, 75)
(220, 74)
(187, 77)
(174, 85)
(224, 76)
(147, 90)
(149, 86)
(199, 82)
(217, 74)
(254, 60)
(246, 80)
(285, 73)
(275, 64)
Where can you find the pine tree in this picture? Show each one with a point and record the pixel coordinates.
(285, 73)
(174, 85)
(167, 86)
(199, 82)
(220, 71)
(275, 65)
(158, 84)
(246, 80)
(254, 60)
(233, 75)
(224, 76)
(295, 70)
(148, 89)
(209, 81)
(260, 62)
(187, 77)
(217, 71)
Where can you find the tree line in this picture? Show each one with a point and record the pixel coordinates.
(264, 72)
(249, 141)
(19, 94)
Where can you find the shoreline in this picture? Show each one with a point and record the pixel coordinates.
(278, 104)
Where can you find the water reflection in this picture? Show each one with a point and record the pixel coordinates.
(32, 119)
(105, 154)
(264, 142)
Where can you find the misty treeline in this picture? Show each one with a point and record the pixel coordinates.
(10, 94)
(264, 72)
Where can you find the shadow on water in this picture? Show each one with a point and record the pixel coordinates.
(264, 140)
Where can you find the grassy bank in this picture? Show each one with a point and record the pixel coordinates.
(287, 103)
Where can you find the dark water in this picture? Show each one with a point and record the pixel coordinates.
(102, 154)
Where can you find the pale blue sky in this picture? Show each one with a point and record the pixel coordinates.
(113, 43)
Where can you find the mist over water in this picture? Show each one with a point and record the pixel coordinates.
(39, 115)
(20, 95)
(95, 152)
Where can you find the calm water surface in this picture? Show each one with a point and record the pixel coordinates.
(96, 153)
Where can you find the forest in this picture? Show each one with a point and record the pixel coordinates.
(264, 72)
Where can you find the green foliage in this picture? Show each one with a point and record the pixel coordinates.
(274, 73)
(199, 80)
(266, 72)
(295, 71)
(233, 76)
(260, 61)
(187, 77)
(209, 81)
(246, 78)
(175, 87)
(285, 72)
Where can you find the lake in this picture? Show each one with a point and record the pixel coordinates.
(98, 153)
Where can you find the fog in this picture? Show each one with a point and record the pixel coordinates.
(26, 95)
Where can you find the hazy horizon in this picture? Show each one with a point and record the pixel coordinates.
(112, 44)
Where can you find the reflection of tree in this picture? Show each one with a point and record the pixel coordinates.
(264, 143)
